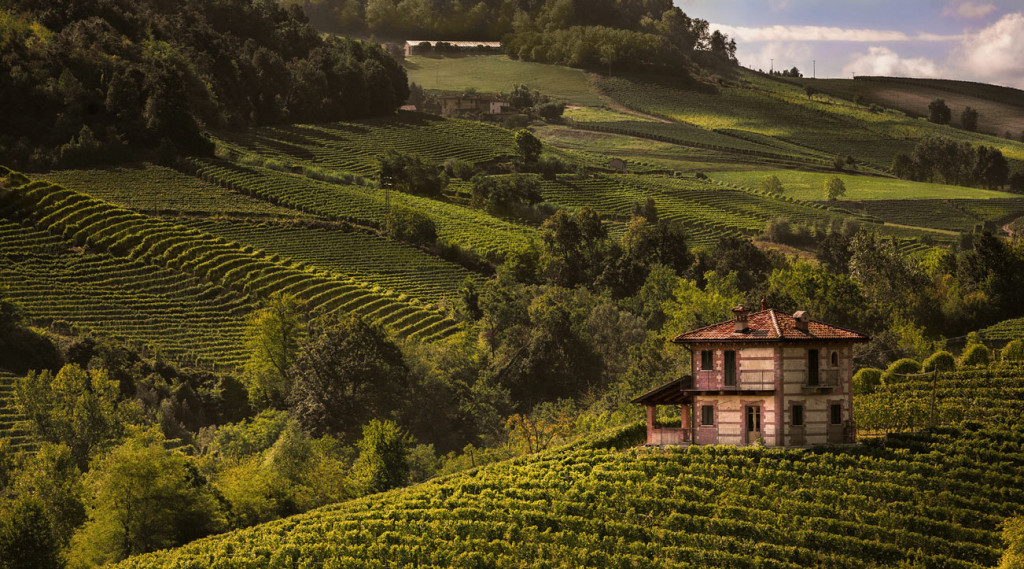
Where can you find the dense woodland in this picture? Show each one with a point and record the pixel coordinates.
(88, 81)
(621, 35)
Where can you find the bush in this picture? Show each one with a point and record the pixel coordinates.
(409, 225)
(866, 380)
(550, 112)
(1014, 351)
(458, 168)
(778, 230)
(939, 361)
(974, 355)
(550, 166)
(905, 366)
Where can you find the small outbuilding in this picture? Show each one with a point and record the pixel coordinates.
(761, 378)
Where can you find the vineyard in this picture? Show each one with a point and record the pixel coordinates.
(250, 273)
(487, 236)
(354, 147)
(159, 190)
(349, 254)
(927, 499)
(12, 427)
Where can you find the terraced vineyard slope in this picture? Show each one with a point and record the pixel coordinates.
(928, 499)
(12, 423)
(250, 275)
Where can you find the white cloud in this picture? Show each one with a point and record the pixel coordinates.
(972, 10)
(996, 53)
(822, 33)
(786, 56)
(884, 61)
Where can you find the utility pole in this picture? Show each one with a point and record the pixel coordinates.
(772, 72)
(814, 69)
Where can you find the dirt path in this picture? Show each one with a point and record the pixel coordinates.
(615, 105)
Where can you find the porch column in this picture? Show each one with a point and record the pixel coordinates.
(650, 423)
(685, 421)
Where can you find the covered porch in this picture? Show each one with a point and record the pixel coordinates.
(673, 393)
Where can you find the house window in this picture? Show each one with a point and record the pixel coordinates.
(835, 359)
(812, 367)
(707, 415)
(798, 415)
(835, 413)
(730, 368)
(707, 360)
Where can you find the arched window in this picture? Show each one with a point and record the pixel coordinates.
(835, 359)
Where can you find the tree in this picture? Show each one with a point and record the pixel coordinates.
(990, 168)
(529, 145)
(76, 407)
(410, 173)
(811, 91)
(52, 476)
(26, 536)
(834, 188)
(771, 185)
(142, 497)
(938, 112)
(273, 336)
(383, 461)
(522, 97)
(347, 373)
(1017, 183)
(405, 224)
(969, 119)
(1013, 535)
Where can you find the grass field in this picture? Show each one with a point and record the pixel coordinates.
(810, 186)
(497, 74)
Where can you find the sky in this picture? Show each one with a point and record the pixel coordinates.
(970, 40)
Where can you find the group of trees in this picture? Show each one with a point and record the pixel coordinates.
(958, 163)
(940, 113)
(87, 81)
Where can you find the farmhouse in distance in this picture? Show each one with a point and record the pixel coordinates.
(764, 378)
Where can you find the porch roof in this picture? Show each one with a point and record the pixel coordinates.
(672, 393)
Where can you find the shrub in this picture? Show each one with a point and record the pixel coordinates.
(974, 355)
(866, 380)
(550, 111)
(409, 225)
(905, 366)
(939, 361)
(1014, 351)
(778, 230)
(458, 168)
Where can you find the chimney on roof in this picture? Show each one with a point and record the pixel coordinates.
(740, 312)
(802, 319)
(764, 303)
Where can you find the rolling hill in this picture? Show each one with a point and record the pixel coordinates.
(934, 498)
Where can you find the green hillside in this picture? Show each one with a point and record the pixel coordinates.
(1000, 109)
(929, 499)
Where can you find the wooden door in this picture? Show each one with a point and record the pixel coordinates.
(753, 421)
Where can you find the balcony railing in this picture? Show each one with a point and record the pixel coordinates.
(753, 379)
(826, 378)
(669, 436)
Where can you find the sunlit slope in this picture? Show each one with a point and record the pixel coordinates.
(498, 74)
(1000, 109)
(753, 104)
(932, 499)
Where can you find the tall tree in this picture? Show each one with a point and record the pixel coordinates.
(383, 461)
(939, 112)
(348, 373)
(273, 337)
(969, 119)
(142, 497)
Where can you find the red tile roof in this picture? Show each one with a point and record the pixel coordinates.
(768, 326)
